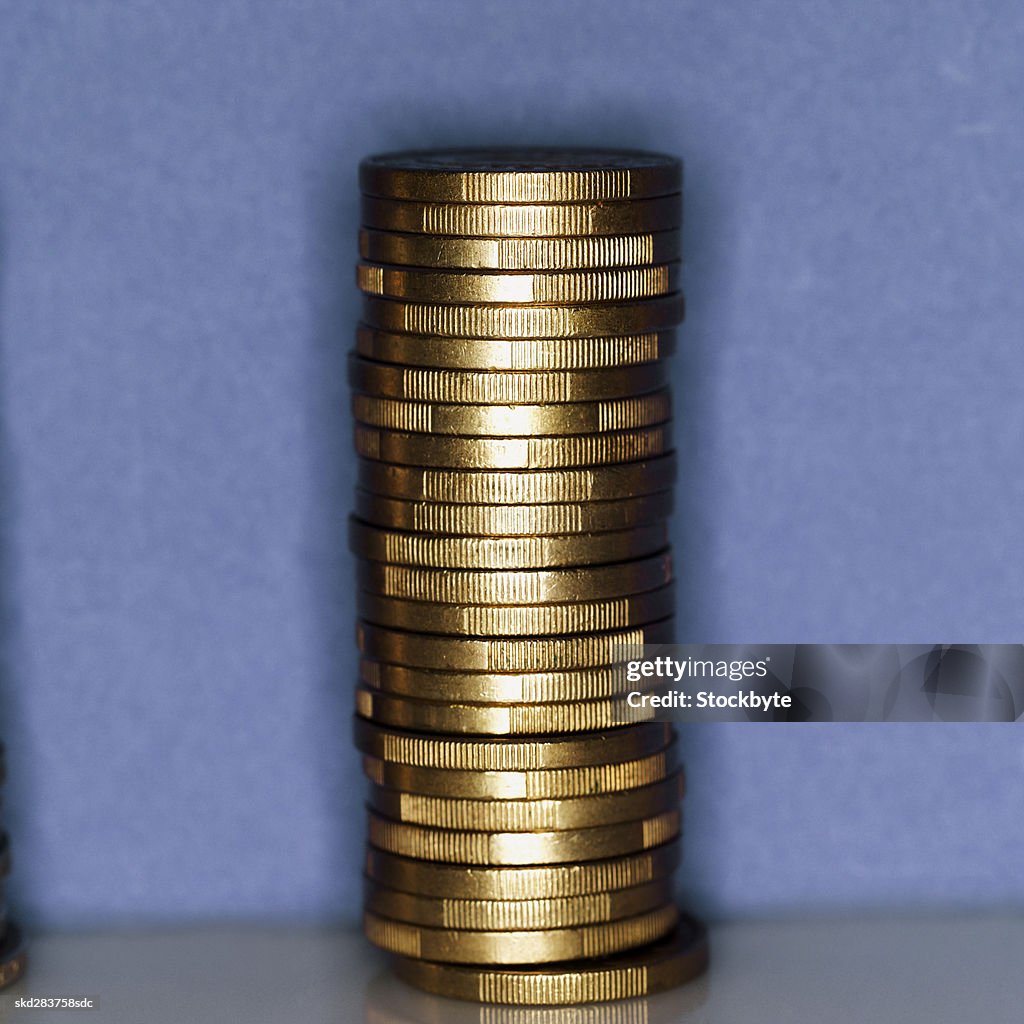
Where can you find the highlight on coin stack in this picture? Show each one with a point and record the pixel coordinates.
(512, 421)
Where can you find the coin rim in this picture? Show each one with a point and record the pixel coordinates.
(546, 784)
(525, 322)
(516, 587)
(398, 382)
(537, 253)
(537, 880)
(561, 484)
(557, 686)
(458, 285)
(576, 219)
(526, 520)
(558, 912)
(378, 544)
(489, 420)
(529, 654)
(495, 754)
(674, 960)
(555, 618)
(644, 174)
(559, 813)
(412, 349)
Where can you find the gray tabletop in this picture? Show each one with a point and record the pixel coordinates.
(934, 969)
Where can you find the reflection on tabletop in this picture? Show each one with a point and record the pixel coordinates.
(389, 1001)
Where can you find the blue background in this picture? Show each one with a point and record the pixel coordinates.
(178, 211)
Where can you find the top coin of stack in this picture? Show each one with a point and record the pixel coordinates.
(512, 419)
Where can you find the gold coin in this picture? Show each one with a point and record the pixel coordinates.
(577, 549)
(438, 517)
(677, 958)
(514, 354)
(519, 620)
(418, 250)
(501, 220)
(506, 421)
(432, 451)
(525, 175)
(12, 956)
(455, 486)
(528, 947)
(553, 784)
(529, 815)
(509, 321)
(504, 755)
(465, 881)
(527, 586)
(496, 387)
(497, 719)
(505, 848)
(565, 687)
(423, 284)
(530, 654)
(515, 915)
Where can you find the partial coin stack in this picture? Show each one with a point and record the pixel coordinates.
(512, 422)
(12, 956)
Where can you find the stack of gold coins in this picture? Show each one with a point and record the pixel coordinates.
(512, 422)
(12, 956)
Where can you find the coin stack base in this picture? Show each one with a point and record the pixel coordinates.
(12, 953)
(513, 427)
